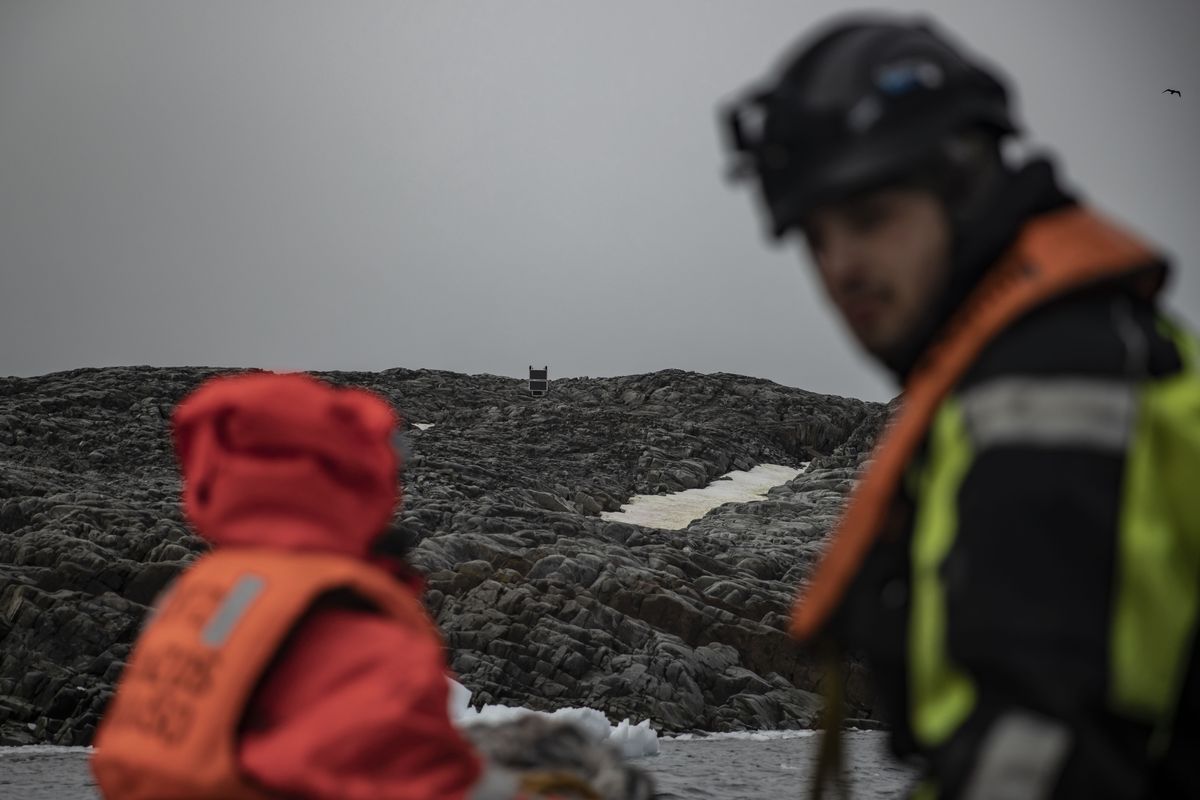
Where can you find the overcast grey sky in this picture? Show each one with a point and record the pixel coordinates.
(480, 186)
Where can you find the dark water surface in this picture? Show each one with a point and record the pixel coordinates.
(766, 766)
(45, 773)
(758, 766)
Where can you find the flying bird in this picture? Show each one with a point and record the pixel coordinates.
(1172, 91)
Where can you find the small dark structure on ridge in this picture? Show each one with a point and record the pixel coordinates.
(538, 380)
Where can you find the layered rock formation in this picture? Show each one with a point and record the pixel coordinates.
(542, 602)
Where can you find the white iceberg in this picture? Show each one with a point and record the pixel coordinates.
(632, 741)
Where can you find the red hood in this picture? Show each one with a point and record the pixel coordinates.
(287, 461)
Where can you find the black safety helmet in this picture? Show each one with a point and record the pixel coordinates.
(862, 103)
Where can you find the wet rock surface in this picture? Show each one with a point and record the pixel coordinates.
(542, 603)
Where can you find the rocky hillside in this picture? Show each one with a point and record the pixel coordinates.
(542, 602)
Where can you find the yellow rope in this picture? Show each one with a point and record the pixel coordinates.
(830, 765)
(549, 781)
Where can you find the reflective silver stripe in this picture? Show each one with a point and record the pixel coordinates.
(1083, 412)
(231, 609)
(1020, 759)
(496, 783)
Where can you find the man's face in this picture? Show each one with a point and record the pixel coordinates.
(882, 256)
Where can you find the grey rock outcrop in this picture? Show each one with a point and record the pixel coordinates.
(541, 601)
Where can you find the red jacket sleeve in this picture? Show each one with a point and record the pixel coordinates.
(357, 707)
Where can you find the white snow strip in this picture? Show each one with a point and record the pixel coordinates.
(423, 425)
(633, 741)
(676, 511)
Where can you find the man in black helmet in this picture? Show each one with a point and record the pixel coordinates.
(1020, 562)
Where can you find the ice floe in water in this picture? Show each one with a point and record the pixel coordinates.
(42, 750)
(676, 511)
(633, 741)
(748, 736)
(423, 425)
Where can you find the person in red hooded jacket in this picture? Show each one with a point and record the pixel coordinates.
(291, 660)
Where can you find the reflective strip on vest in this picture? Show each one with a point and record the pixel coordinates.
(1051, 412)
(941, 693)
(231, 610)
(1021, 757)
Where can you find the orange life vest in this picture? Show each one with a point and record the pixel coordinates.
(170, 732)
(1054, 255)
